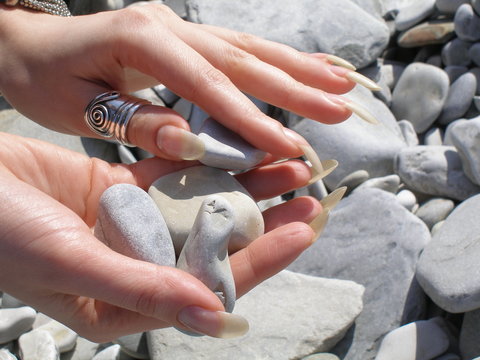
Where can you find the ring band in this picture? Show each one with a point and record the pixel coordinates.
(109, 113)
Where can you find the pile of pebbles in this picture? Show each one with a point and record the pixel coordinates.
(393, 276)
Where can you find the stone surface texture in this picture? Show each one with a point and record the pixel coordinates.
(277, 329)
(14, 322)
(381, 255)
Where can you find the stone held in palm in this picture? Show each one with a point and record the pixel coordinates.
(179, 195)
(130, 223)
(205, 253)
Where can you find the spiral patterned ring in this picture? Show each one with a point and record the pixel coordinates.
(109, 114)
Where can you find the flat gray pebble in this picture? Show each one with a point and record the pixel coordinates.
(467, 23)
(455, 52)
(411, 15)
(459, 99)
(434, 211)
(449, 6)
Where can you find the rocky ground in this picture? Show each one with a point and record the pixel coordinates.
(394, 275)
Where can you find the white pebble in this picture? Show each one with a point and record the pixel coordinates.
(14, 322)
(407, 199)
(64, 337)
(110, 353)
(38, 345)
(6, 355)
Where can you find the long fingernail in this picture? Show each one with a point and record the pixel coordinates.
(180, 143)
(332, 199)
(362, 80)
(218, 324)
(328, 166)
(336, 60)
(361, 112)
(319, 223)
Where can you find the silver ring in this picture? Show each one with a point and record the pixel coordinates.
(109, 113)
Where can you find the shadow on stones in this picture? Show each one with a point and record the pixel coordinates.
(343, 346)
(415, 303)
(4, 105)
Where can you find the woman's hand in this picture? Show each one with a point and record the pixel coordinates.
(52, 67)
(50, 260)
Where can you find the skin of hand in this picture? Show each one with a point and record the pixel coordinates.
(49, 258)
(52, 67)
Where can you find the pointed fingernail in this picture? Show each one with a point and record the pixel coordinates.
(217, 324)
(319, 223)
(332, 199)
(180, 143)
(362, 80)
(328, 166)
(336, 60)
(361, 112)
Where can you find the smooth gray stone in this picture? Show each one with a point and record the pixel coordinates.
(389, 183)
(435, 60)
(455, 52)
(351, 181)
(449, 6)
(129, 222)
(408, 132)
(449, 356)
(411, 15)
(6, 355)
(227, 150)
(183, 192)
(321, 356)
(434, 136)
(476, 6)
(112, 352)
(420, 84)
(13, 122)
(459, 99)
(126, 155)
(290, 315)
(474, 53)
(178, 6)
(373, 7)
(134, 345)
(448, 263)
(83, 350)
(197, 118)
(467, 23)
(382, 257)
(465, 136)
(183, 107)
(337, 27)
(373, 147)
(38, 345)
(454, 72)
(420, 340)
(436, 227)
(476, 71)
(41, 319)
(205, 254)
(8, 301)
(435, 210)
(470, 335)
(14, 322)
(149, 95)
(434, 170)
(428, 33)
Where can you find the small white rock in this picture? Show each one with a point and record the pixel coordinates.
(436, 227)
(407, 199)
(41, 319)
(110, 353)
(38, 345)
(6, 355)
(14, 322)
(64, 337)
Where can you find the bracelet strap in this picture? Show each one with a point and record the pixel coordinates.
(54, 7)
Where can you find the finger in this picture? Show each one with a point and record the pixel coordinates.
(313, 71)
(269, 254)
(267, 82)
(303, 209)
(188, 74)
(271, 180)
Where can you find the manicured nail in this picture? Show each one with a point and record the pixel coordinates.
(332, 199)
(362, 80)
(319, 223)
(217, 324)
(336, 60)
(328, 166)
(180, 143)
(361, 112)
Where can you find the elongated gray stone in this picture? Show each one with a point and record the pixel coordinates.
(420, 84)
(435, 210)
(428, 33)
(388, 183)
(459, 99)
(467, 23)
(448, 263)
(179, 195)
(420, 340)
(134, 345)
(14, 322)
(205, 254)
(290, 315)
(38, 345)
(434, 170)
(227, 150)
(411, 15)
(130, 223)
(455, 53)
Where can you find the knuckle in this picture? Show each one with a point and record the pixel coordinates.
(245, 40)
(212, 78)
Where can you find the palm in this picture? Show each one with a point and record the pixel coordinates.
(49, 200)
